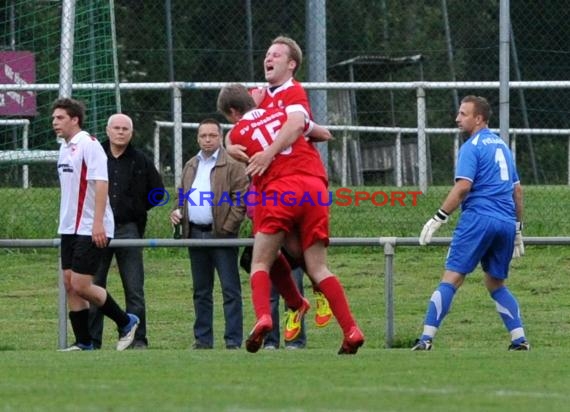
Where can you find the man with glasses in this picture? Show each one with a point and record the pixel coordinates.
(212, 183)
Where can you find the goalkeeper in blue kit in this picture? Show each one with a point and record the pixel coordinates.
(488, 189)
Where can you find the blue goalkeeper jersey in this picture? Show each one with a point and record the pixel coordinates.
(486, 161)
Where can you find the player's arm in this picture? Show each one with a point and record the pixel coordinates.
(518, 250)
(237, 151)
(318, 133)
(258, 94)
(456, 195)
(518, 198)
(289, 133)
(99, 236)
(454, 198)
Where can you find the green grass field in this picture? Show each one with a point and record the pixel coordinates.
(468, 370)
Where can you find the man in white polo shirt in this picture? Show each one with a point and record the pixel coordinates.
(85, 224)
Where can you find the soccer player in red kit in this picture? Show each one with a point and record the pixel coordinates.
(294, 169)
(282, 61)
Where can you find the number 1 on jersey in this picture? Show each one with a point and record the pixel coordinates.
(502, 161)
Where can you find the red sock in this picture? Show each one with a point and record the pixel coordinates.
(261, 293)
(283, 282)
(334, 292)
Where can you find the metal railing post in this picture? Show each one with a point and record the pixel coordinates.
(177, 109)
(422, 141)
(389, 288)
(62, 306)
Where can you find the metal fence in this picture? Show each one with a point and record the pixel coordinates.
(353, 132)
(364, 64)
(388, 245)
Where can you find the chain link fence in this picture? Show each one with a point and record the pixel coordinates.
(193, 41)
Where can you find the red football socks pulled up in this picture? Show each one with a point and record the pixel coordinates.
(334, 292)
(261, 293)
(283, 282)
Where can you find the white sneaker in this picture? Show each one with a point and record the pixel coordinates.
(76, 347)
(127, 335)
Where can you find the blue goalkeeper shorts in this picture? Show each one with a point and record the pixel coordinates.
(484, 239)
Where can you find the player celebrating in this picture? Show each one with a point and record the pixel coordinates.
(296, 169)
(282, 61)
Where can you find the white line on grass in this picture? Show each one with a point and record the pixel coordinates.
(446, 391)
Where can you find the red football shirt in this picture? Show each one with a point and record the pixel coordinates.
(258, 128)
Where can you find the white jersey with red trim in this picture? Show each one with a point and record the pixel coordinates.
(82, 161)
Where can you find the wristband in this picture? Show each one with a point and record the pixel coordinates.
(310, 127)
(442, 215)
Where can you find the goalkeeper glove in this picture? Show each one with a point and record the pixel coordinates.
(432, 225)
(519, 245)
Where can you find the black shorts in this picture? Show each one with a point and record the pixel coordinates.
(80, 254)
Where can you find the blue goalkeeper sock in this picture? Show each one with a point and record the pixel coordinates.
(508, 308)
(439, 305)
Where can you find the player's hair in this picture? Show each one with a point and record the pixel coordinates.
(73, 108)
(295, 52)
(211, 120)
(480, 105)
(235, 96)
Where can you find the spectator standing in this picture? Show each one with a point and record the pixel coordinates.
(132, 176)
(211, 184)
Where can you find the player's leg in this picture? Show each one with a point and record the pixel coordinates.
(294, 255)
(78, 307)
(86, 260)
(329, 284)
(470, 241)
(509, 311)
(96, 317)
(496, 266)
(300, 341)
(273, 338)
(438, 307)
(265, 250)
(284, 284)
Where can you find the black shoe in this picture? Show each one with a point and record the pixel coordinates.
(201, 345)
(519, 346)
(139, 345)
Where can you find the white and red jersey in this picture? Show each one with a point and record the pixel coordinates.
(257, 129)
(81, 162)
(288, 94)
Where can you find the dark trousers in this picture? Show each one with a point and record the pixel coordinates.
(204, 260)
(273, 337)
(131, 269)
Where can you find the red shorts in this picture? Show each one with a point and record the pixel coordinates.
(298, 204)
